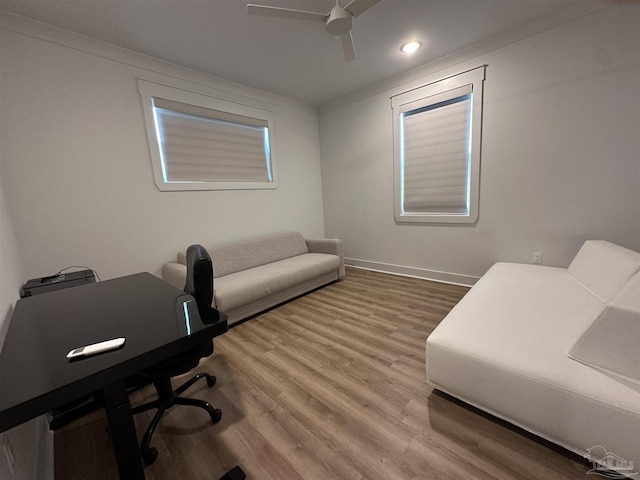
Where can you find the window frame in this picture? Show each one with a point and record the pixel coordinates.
(149, 90)
(424, 96)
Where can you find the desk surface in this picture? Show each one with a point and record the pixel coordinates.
(156, 319)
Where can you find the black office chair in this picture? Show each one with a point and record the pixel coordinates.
(199, 284)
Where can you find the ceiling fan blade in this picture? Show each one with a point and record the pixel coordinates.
(348, 47)
(360, 6)
(268, 11)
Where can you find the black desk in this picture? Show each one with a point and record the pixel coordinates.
(157, 320)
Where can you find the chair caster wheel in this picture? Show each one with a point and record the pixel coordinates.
(149, 456)
(211, 381)
(216, 415)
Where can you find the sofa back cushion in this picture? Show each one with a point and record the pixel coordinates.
(604, 268)
(611, 342)
(254, 252)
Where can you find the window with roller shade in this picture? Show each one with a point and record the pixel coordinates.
(437, 130)
(204, 143)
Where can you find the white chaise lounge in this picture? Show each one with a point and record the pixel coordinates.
(555, 351)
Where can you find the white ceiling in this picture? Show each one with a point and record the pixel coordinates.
(291, 58)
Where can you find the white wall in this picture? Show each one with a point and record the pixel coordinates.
(560, 156)
(77, 185)
(77, 170)
(24, 439)
(10, 264)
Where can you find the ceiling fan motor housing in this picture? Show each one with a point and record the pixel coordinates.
(340, 21)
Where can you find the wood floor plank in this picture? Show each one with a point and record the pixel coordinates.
(328, 386)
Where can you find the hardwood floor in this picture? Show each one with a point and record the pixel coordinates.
(328, 386)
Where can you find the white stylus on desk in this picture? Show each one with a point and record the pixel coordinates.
(96, 348)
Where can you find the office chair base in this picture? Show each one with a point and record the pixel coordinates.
(236, 473)
(149, 456)
(167, 398)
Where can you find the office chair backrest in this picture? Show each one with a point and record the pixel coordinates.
(199, 282)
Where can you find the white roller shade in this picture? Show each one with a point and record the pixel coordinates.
(436, 157)
(437, 132)
(204, 145)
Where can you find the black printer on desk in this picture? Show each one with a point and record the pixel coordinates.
(37, 286)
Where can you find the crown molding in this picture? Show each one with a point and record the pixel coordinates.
(147, 66)
(446, 65)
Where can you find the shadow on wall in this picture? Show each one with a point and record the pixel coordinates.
(4, 325)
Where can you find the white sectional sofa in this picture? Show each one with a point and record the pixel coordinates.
(256, 274)
(555, 351)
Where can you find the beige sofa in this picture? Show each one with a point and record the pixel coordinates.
(555, 351)
(256, 274)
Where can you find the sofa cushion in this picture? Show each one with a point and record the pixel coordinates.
(516, 313)
(603, 268)
(247, 286)
(254, 252)
(612, 342)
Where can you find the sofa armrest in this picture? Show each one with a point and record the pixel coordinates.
(175, 274)
(331, 246)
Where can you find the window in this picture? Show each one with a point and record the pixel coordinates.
(204, 143)
(437, 130)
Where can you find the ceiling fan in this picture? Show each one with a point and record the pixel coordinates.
(339, 21)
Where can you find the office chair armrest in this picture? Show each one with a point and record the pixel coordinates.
(175, 274)
(331, 246)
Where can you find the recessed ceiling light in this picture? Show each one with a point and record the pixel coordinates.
(411, 47)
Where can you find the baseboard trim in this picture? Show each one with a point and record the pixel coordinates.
(433, 275)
